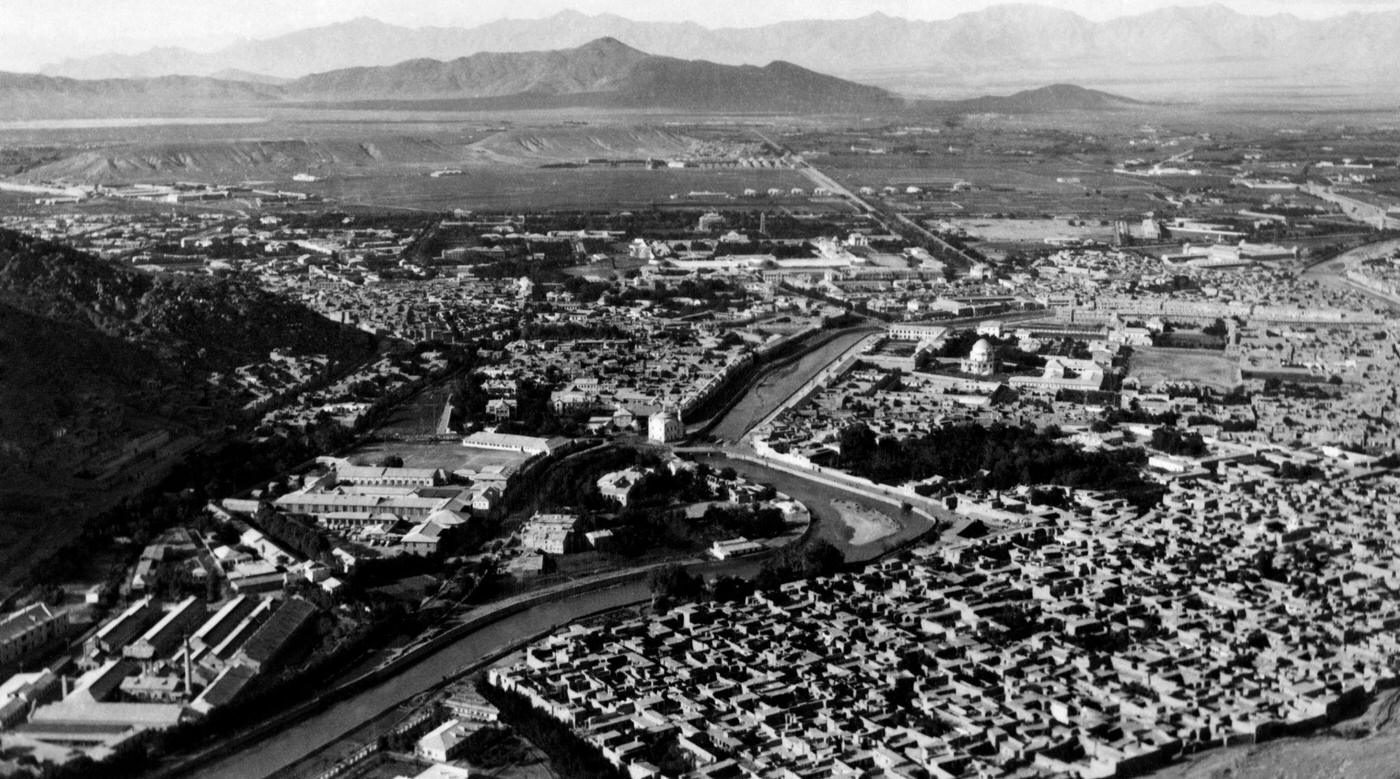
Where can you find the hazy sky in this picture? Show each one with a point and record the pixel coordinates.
(34, 32)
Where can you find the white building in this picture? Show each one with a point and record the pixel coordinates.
(982, 360)
(444, 742)
(665, 426)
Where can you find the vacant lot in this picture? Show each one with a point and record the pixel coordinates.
(1150, 365)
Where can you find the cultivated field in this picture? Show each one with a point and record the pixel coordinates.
(1150, 365)
(998, 184)
(1032, 230)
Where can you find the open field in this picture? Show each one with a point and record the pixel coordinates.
(1150, 365)
(997, 184)
(449, 455)
(498, 187)
(1032, 230)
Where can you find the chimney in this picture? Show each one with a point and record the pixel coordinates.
(189, 688)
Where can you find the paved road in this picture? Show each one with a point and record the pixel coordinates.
(821, 179)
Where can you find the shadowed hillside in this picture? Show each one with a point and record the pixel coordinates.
(94, 353)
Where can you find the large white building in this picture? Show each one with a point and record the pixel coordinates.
(904, 331)
(665, 426)
(550, 533)
(444, 742)
(513, 443)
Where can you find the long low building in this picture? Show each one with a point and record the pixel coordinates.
(125, 627)
(271, 641)
(514, 443)
(353, 507)
(390, 477)
(28, 629)
(909, 331)
(164, 637)
(225, 620)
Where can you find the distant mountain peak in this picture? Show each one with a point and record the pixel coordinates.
(607, 43)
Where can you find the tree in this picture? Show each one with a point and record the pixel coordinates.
(857, 442)
(821, 558)
(671, 582)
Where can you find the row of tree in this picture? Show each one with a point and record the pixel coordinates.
(996, 457)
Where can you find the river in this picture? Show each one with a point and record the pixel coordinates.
(326, 726)
(826, 522)
(779, 385)
(298, 740)
(303, 738)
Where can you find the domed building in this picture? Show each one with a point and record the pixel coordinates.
(982, 360)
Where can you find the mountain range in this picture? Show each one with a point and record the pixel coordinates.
(604, 73)
(600, 73)
(1005, 38)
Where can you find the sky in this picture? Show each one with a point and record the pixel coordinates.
(36, 32)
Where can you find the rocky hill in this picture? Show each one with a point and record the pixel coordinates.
(237, 159)
(1056, 97)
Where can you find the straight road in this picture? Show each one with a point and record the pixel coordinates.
(820, 179)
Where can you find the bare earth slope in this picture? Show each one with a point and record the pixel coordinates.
(237, 159)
